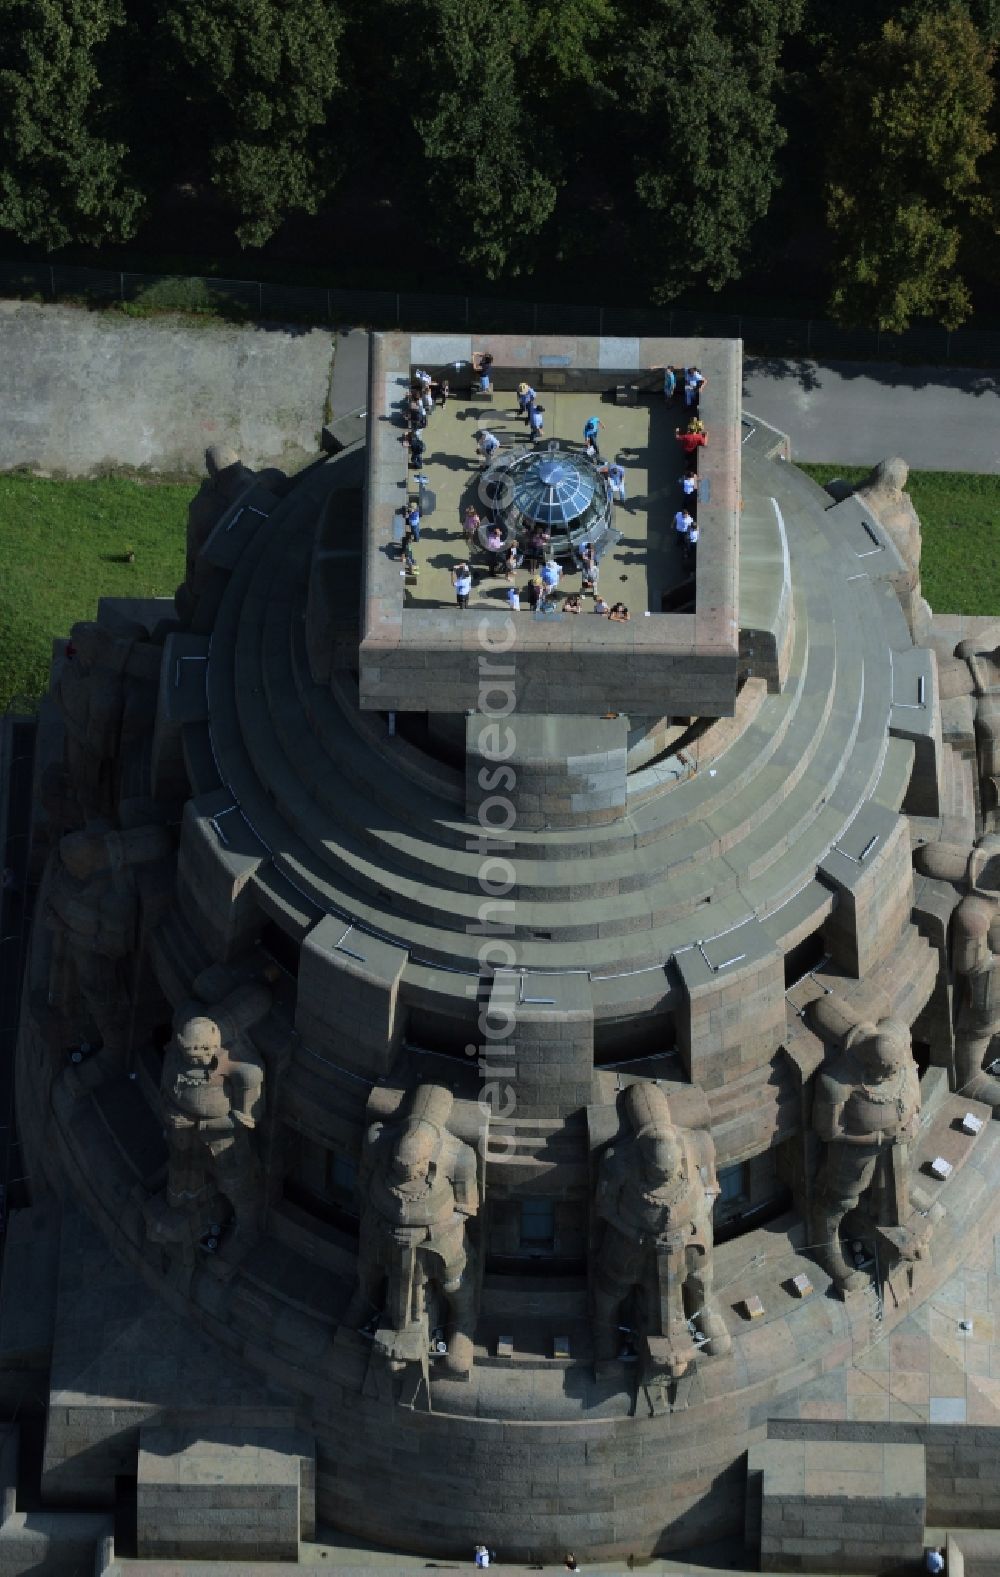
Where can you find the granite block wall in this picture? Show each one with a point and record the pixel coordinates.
(963, 1461)
(838, 1506)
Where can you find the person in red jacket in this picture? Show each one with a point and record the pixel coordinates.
(690, 442)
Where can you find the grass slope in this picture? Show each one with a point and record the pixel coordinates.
(62, 547)
(960, 516)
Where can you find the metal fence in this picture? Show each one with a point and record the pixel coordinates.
(405, 309)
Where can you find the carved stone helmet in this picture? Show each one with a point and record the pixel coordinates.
(417, 1147)
(662, 1155)
(91, 642)
(199, 1040)
(972, 921)
(83, 854)
(219, 458)
(883, 1048)
(889, 477)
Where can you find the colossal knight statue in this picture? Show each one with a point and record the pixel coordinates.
(866, 1108)
(655, 1192)
(419, 1188)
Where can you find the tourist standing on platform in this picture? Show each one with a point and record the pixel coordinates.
(690, 442)
(694, 382)
(494, 545)
(689, 482)
(615, 473)
(413, 521)
(591, 428)
(487, 444)
(683, 521)
(535, 420)
(669, 383)
(470, 525)
(461, 579)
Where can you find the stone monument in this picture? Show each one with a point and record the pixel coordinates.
(446, 1029)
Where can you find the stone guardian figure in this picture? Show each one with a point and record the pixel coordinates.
(866, 1109)
(419, 1189)
(975, 926)
(655, 1192)
(212, 1103)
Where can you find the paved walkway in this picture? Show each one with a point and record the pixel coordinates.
(83, 391)
(856, 413)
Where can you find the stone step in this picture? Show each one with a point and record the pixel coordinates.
(604, 880)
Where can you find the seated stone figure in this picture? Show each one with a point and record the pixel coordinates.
(866, 1108)
(419, 1187)
(211, 1102)
(655, 1192)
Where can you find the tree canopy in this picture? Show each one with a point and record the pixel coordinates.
(63, 167)
(912, 110)
(676, 145)
(696, 108)
(261, 75)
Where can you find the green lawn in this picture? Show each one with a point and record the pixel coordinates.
(960, 516)
(62, 546)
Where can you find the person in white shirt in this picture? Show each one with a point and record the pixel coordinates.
(689, 482)
(461, 579)
(694, 382)
(513, 599)
(615, 474)
(683, 521)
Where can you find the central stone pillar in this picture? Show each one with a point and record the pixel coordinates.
(559, 771)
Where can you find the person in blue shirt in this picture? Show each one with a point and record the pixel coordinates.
(591, 428)
(551, 573)
(413, 521)
(669, 383)
(535, 420)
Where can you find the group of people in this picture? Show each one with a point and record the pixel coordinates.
(533, 413)
(688, 381)
(418, 406)
(507, 557)
(484, 1556)
(691, 438)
